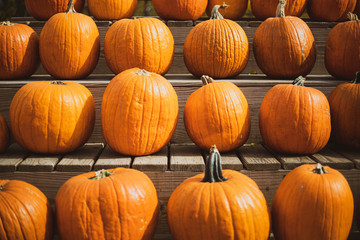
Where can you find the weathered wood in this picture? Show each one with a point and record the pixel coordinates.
(333, 159)
(10, 160)
(39, 163)
(352, 154)
(289, 162)
(154, 162)
(110, 159)
(256, 157)
(186, 158)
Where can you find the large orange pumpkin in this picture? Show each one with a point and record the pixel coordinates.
(180, 9)
(139, 112)
(44, 9)
(344, 107)
(218, 205)
(117, 203)
(295, 119)
(284, 46)
(234, 11)
(217, 113)
(69, 45)
(4, 134)
(25, 212)
(312, 202)
(52, 117)
(19, 51)
(217, 47)
(148, 44)
(264, 9)
(112, 9)
(330, 10)
(343, 42)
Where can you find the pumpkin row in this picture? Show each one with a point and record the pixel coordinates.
(139, 114)
(69, 47)
(311, 202)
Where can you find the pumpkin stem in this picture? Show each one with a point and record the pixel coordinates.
(6, 23)
(101, 174)
(213, 169)
(58, 82)
(215, 14)
(280, 10)
(357, 78)
(1, 187)
(71, 8)
(206, 79)
(299, 81)
(143, 72)
(352, 16)
(319, 169)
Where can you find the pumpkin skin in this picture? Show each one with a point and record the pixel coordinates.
(348, 51)
(180, 9)
(19, 51)
(139, 112)
(217, 113)
(25, 212)
(112, 9)
(122, 205)
(69, 45)
(4, 135)
(265, 9)
(218, 205)
(52, 117)
(344, 111)
(235, 11)
(330, 10)
(284, 46)
(217, 47)
(311, 205)
(44, 9)
(148, 45)
(295, 119)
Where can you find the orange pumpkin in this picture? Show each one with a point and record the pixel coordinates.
(218, 205)
(147, 44)
(312, 202)
(348, 51)
(4, 135)
(52, 117)
(19, 51)
(69, 45)
(139, 112)
(44, 9)
(295, 119)
(217, 47)
(25, 212)
(217, 113)
(330, 10)
(112, 9)
(284, 46)
(117, 203)
(180, 9)
(234, 11)
(264, 9)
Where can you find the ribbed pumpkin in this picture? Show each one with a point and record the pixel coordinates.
(234, 11)
(4, 134)
(69, 45)
(139, 112)
(52, 117)
(344, 107)
(312, 202)
(180, 9)
(218, 205)
(25, 212)
(330, 10)
(284, 46)
(217, 113)
(264, 9)
(147, 44)
(44, 9)
(217, 47)
(19, 50)
(109, 204)
(295, 119)
(112, 9)
(343, 42)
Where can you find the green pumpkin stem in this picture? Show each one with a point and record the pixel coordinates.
(1, 187)
(319, 169)
(206, 79)
(357, 78)
(6, 23)
(213, 169)
(299, 81)
(57, 82)
(352, 16)
(280, 9)
(215, 14)
(143, 72)
(101, 174)
(71, 8)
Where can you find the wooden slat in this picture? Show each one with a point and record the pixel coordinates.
(10, 160)
(229, 160)
(111, 159)
(154, 162)
(81, 160)
(353, 155)
(39, 163)
(256, 157)
(186, 158)
(333, 159)
(293, 161)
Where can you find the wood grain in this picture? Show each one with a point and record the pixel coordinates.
(110, 159)
(10, 160)
(186, 158)
(333, 159)
(256, 157)
(39, 163)
(154, 162)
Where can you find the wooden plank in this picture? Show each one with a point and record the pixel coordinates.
(289, 162)
(111, 159)
(10, 160)
(229, 160)
(256, 157)
(39, 163)
(352, 154)
(186, 158)
(333, 159)
(154, 162)
(81, 160)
